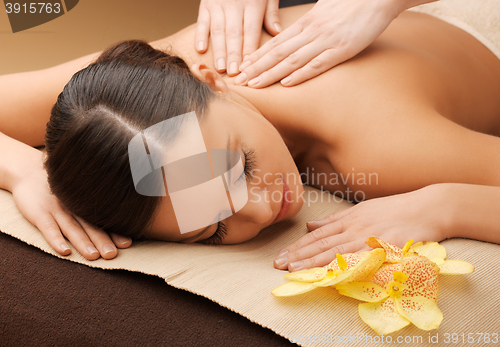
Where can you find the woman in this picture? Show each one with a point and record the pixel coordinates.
(400, 110)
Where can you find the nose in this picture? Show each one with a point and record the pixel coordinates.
(258, 208)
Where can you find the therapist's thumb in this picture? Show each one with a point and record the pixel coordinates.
(272, 18)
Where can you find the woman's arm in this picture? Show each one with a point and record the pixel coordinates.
(28, 97)
(452, 173)
(22, 173)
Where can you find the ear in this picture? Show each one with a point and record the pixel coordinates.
(211, 77)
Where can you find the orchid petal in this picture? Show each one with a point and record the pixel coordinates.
(429, 249)
(382, 316)
(384, 275)
(393, 253)
(422, 312)
(364, 291)
(422, 277)
(341, 276)
(293, 288)
(310, 275)
(438, 261)
(455, 267)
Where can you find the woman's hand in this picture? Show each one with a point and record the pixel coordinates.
(330, 33)
(33, 198)
(421, 215)
(235, 27)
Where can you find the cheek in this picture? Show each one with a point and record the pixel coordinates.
(241, 232)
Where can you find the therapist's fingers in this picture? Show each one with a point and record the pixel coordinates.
(234, 38)
(282, 37)
(291, 63)
(218, 34)
(272, 18)
(202, 30)
(252, 28)
(316, 66)
(269, 55)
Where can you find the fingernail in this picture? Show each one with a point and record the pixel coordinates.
(108, 248)
(277, 27)
(296, 266)
(254, 82)
(241, 78)
(221, 64)
(286, 80)
(64, 247)
(281, 261)
(123, 240)
(233, 68)
(91, 249)
(282, 253)
(245, 64)
(201, 46)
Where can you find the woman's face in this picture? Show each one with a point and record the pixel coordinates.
(269, 169)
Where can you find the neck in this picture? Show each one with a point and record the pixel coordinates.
(292, 127)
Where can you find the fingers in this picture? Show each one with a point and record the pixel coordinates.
(99, 239)
(202, 30)
(75, 234)
(234, 39)
(252, 28)
(50, 230)
(319, 241)
(312, 225)
(323, 258)
(316, 235)
(291, 63)
(121, 241)
(315, 67)
(218, 33)
(272, 18)
(271, 53)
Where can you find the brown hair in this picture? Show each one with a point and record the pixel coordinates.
(130, 87)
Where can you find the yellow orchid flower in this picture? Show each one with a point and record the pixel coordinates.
(397, 295)
(437, 253)
(432, 250)
(349, 267)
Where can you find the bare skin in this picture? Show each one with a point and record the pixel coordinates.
(415, 108)
(409, 77)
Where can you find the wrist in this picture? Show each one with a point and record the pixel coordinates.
(16, 160)
(444, 209)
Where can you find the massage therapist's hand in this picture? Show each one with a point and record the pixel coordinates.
(235, 27)
(330, 33)
(34, 200)
(421, 215)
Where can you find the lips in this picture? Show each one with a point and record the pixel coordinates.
(285, 202)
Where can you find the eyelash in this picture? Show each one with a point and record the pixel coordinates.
(249, 163)
(221, 232)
